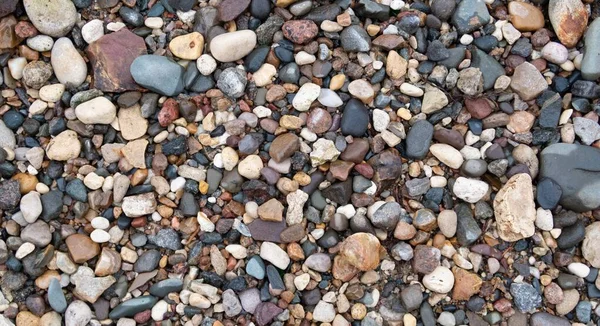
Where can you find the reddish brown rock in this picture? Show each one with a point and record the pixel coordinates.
(450, 137)
(342, 270)
(569, 19)
(284, 146)
(388, 168)
(265, 312)
(300, 31)
(361, 250)
(389, 41)
(111, 56)
(168, 113)
(365, 170)
(25, 29)
(230, 9)
(340, 169)
(319, 121)
(466, 284)
(267, 231)
(82, 248)
(553, 293)
(8, 38)
(142, 317)
(426, 259)
(478, 107)
(355, 151)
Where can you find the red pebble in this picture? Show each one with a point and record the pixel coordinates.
(365, 170)
(25, 29)
(142, 317)
(169, 112)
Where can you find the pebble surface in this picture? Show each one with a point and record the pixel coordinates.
(299, 162)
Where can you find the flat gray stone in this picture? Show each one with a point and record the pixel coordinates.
(575, 169)
(158, 74)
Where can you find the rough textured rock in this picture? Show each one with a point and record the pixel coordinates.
(514, 208)
(110, 58)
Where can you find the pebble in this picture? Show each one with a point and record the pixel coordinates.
(569, 20)
(514, 208)
(31, 206)
(355, 39)
(232, 46)
(555, 53)
(55, 18)
(64, 146)
(158, 74)
(307, 94)
(92, 30)
(470, 190)
(447, 155)
(272, 253)
(590, 64)
(69, 67)
(441, 280)
(77, 313)
(40, 43)
(525, 16)
(99, 110)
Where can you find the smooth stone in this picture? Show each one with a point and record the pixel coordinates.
(99, 110)
(525, 16)
(78, 313)
(528, 82)
(158, 74)
(132, 306)
(548, 193)
(418, 139)
(590, 64)
(55, 18)
(570, 166)
(233, 46)
(355, 119)
(56, 297)
(489, 66)
(306, 95)
(470, 15)
(355, 39)
(68, 65)
(544, 319)
(569, 20)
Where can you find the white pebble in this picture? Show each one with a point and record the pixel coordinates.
(100, 236)
(466, 39)
(544, 219)
(177, 184)
(206, 225)
(206, 64)
(100, 222)
(92, 30)
(154, 22)
(40, 43)
(15, 66)
(579, 269)
(24, 250)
